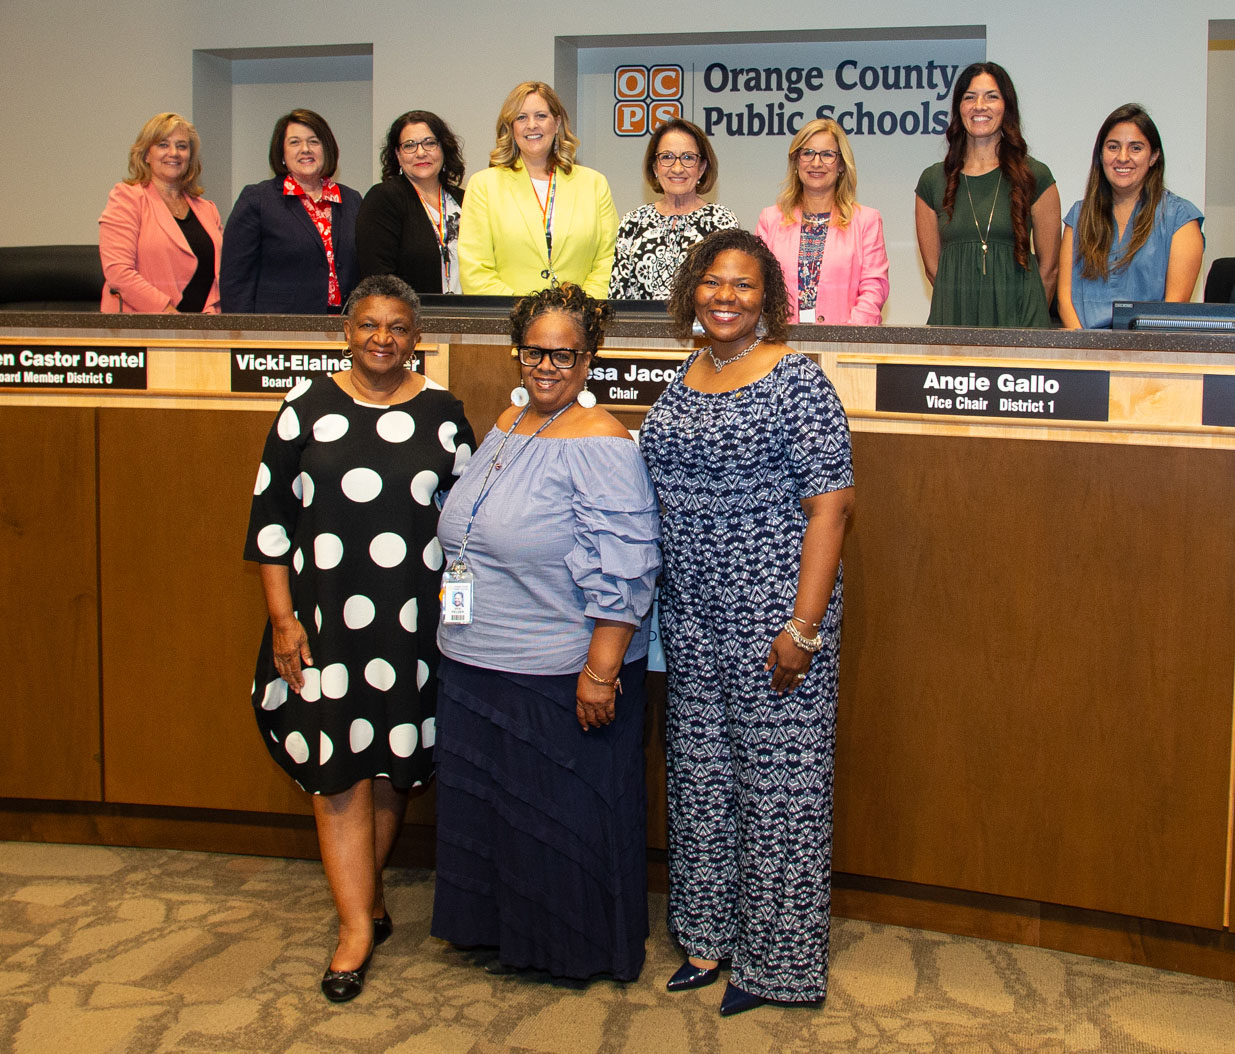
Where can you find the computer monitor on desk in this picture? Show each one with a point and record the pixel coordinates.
(1164, 317)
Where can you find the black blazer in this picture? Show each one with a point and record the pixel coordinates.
(274, 262)
(394, 235)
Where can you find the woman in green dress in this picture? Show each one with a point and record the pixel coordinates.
(977, 209)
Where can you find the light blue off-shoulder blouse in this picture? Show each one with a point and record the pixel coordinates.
(569, 532)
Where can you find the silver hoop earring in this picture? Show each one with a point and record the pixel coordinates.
(519, 396)
(761, 328)
(586, 399)
(696, 329)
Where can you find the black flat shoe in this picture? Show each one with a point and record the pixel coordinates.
(341, 986)
(691, 976)
(382, 929)
(736, 1000)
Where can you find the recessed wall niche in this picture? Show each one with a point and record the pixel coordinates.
(239, 93)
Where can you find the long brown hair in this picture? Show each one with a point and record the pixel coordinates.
(1013, 154)
(1095, 230)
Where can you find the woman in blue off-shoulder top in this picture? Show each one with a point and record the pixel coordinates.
(552, 550)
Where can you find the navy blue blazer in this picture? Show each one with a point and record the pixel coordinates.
(274, 262)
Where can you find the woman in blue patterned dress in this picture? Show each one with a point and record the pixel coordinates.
(749, 450)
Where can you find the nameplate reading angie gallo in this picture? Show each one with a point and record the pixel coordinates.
(992, 391)
(280, 371)
(54, 366)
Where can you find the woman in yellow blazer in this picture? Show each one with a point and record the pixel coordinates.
(534, 217)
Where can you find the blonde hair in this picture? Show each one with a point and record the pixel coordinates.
(155, 130)
(846, 195)
(506, 153)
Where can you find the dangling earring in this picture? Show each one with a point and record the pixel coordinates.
(761, 328)
(519, 396)
(585, 398)
(696, 329)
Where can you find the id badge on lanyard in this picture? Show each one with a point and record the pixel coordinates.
(458, 589)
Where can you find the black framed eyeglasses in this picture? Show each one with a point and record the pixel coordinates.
(410, 146)
(667, 158)
(562, 358)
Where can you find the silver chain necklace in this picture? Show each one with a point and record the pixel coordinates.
(989, 220)
(720, 364)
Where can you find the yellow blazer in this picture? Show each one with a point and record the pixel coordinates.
(502, 233)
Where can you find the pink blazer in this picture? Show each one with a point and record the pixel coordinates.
(853, 277)
(145, 257)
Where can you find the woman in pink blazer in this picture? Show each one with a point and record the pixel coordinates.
(829, 247)
(159, 239)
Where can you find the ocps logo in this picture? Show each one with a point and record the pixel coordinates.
(645, 98)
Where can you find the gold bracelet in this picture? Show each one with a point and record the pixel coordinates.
(615, 684)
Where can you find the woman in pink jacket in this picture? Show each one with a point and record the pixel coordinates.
(159, 239)
(829, 247)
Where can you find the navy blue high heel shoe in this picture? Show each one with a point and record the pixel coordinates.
(691, 976)
(736, 1000)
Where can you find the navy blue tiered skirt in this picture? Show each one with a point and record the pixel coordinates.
(541, 826)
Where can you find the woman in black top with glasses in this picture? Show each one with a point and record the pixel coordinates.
(409, 222)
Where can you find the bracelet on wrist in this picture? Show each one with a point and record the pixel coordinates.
(615, 683)
(810, 644)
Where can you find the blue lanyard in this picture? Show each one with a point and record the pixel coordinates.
(457, 564)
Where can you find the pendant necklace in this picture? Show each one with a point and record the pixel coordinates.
(720, 364)
(989, 220)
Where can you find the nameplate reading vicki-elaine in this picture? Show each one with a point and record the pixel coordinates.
(617, 381)
(278, 371)
(992, 391)
(53, 366)
(1218, 401)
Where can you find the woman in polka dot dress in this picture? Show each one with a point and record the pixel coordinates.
(344, 524)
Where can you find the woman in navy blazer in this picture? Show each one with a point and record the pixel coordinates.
(289, 247)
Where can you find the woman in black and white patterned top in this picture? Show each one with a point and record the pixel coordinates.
(652, 241)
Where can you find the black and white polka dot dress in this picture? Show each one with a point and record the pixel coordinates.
(347, 497)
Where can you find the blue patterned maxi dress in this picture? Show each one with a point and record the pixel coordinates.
(749, 772)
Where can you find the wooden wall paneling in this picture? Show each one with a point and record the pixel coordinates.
(49, 645)
(1036, 672)
(482, 375)
(182, 612)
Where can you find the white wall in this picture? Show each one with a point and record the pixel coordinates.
(77, 82)
(256, 107)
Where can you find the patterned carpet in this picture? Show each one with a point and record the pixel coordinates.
(127, 951)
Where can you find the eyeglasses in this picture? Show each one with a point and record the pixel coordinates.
(828, 157)
(561, 358)
(410, 146)
(666, 159)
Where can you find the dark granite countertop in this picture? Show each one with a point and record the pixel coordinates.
(490, 318)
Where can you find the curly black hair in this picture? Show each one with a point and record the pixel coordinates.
(703, 254)
(452, 148)
(590, 314)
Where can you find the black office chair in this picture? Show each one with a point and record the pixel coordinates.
(50, 278)
(1220, 282)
